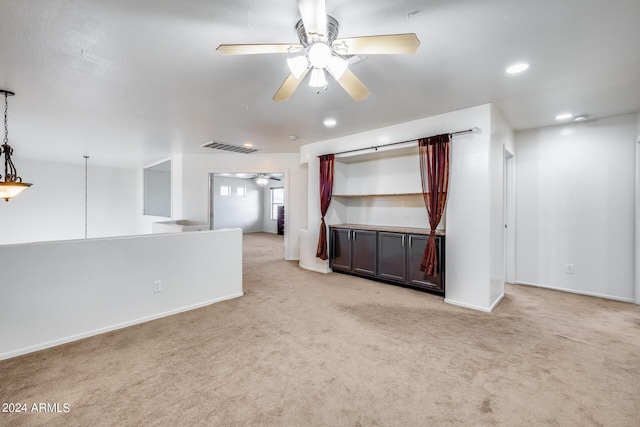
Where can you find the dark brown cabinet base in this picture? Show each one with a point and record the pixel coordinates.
(353, 251)
(387, 256)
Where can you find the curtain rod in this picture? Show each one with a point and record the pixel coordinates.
(452, 134)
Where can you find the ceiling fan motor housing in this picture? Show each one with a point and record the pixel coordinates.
(332, 32)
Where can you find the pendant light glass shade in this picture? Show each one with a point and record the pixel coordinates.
(12, 189)
(319, 55)
(337, 66)
(298, 65)
(318, 79)
(12, 184)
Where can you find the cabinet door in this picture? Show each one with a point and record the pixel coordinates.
(364, 248)
(340, 249)
(392, 256)
(417, 244)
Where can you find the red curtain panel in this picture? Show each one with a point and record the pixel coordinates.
(326, 189)
(434, 170)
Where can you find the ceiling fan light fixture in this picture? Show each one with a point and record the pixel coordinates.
(298, 65)
(337, 66)
(319, 55)
(262, 181)
(12, 184)
(318, 78)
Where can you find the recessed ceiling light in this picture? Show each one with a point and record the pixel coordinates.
(517, 68)
(247, 144)
(581, 118)
(564, 116)
(330, 122)
(293, 137)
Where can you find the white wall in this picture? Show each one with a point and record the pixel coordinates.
(575, 205)
(468, 212)
(194, 193)
(157, 192)
(233, 211)
(468, 240)
(57, 292)
(637, 217)
(501, 139)
(53, 208)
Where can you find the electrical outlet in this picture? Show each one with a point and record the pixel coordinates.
(569, 268)
(157, 286)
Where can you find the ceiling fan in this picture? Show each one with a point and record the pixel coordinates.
(321, 51)
(261, 178)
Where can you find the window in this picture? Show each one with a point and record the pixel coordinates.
(241, 191)
(277, 199)
(225, 190)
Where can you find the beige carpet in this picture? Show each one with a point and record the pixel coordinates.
(302, 348)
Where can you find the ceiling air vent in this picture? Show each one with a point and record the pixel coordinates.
(227, 147)
(353, 59)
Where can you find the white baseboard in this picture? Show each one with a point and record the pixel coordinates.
(574, 291)
(496, 302)
(54, 343)
(315, 269)
(471, 306)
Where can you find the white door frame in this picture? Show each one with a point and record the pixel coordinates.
(509, 215)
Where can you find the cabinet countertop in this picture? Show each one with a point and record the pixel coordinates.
(409, 230)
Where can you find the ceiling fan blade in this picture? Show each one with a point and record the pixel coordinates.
(353, 86)
(314, 18)
(375, 45)
(289, 86)
(251, 49)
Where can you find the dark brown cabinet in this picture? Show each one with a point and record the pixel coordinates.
(340, 249)
(416, 246)
(353, 251)
(363, 252)
(389, 256)
(392, 256)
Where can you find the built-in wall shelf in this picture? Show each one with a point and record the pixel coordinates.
(405, 149)
(380, 187)
(377, 195)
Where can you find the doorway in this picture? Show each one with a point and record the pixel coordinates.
(249, 201)
(509, 215)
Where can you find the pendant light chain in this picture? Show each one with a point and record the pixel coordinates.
(10, 173)
(6, 128)
(12, 184)
(86, 193)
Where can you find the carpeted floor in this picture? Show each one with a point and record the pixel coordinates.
(303, 348)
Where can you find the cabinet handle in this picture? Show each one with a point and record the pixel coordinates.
(410, 237)
(349, 235)
(354, 235)
(403, 240)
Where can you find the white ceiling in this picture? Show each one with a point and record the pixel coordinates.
(129, 82)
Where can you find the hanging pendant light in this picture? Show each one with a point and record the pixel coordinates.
(12, 184)
(318, 78)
